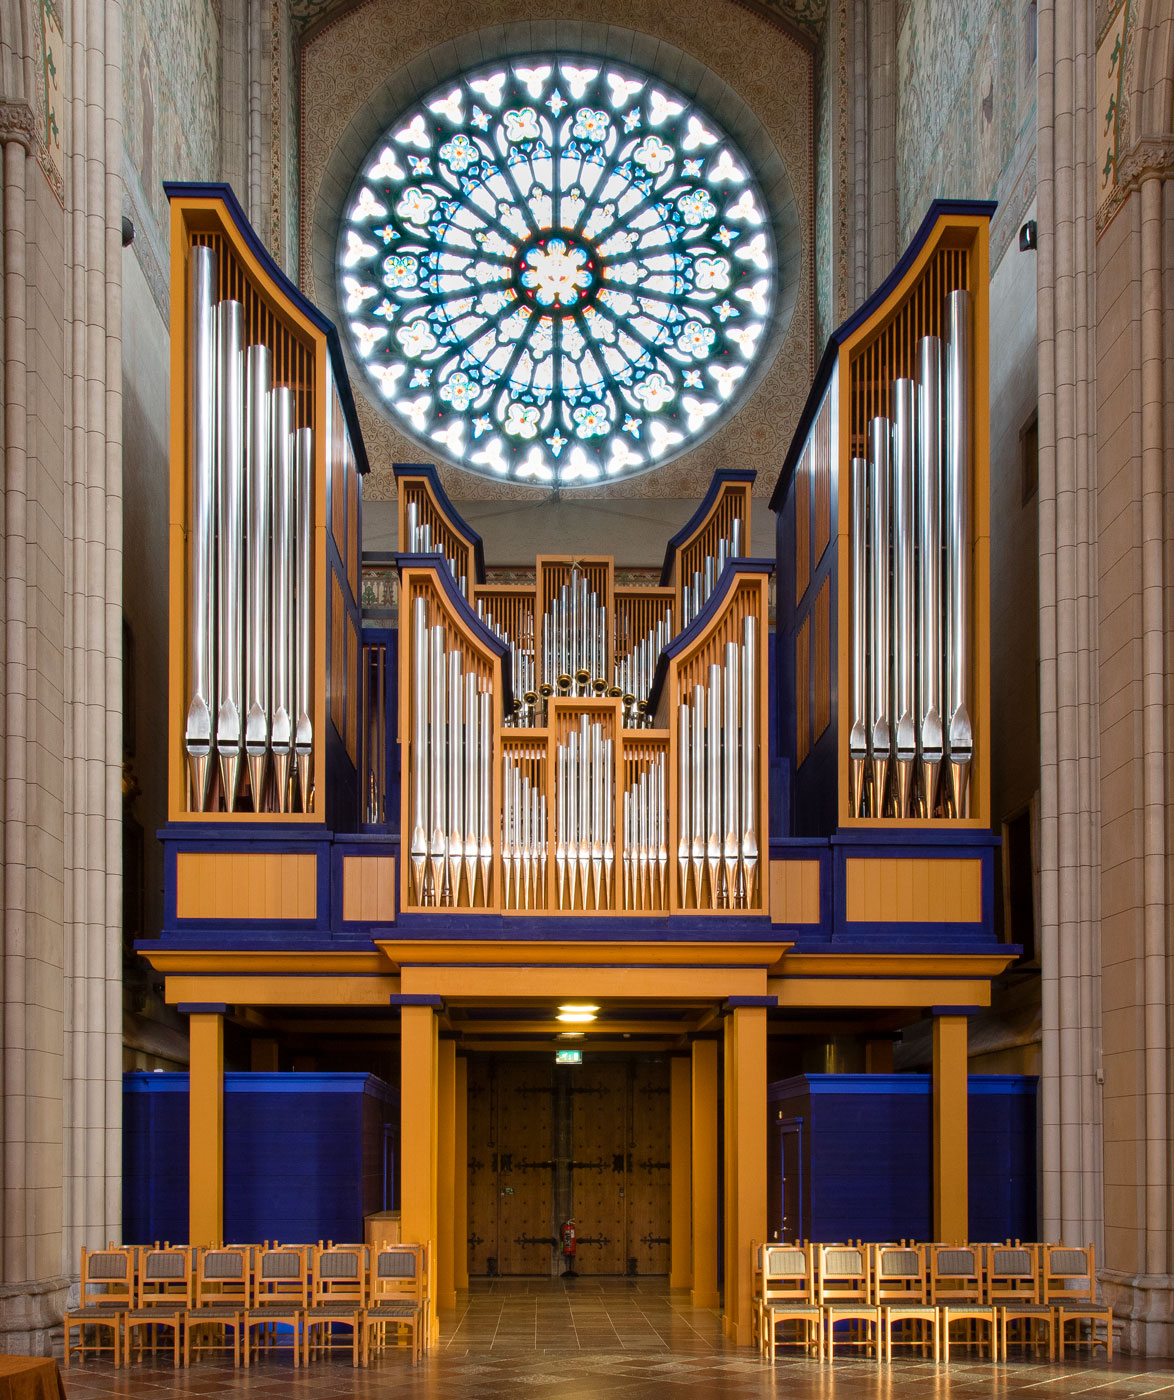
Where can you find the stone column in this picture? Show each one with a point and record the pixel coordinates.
(1070, 782)
(1135, 463)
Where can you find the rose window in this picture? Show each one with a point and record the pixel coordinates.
(557, 270)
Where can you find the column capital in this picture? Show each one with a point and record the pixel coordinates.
(17, 123)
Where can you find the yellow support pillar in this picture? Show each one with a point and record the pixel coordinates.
(446, 1298)
(680, 1174)
(704, 1135)
(951, 1189)
(419, 1121)
(461, 1186)
(745, 1121)
(206, 1127)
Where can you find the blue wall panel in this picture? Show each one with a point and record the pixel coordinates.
(303, 1155)
(867, 1156)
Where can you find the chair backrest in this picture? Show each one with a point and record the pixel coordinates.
(1069, 1275)
(107, 1277)
(788, 1273)
(397, 1271)
(955, 1273)
(165, 1277)
(843, 1274)
(281, 1278)
(222, 1276)
(338, 1276)
(899, 1274)
(1012, 1273)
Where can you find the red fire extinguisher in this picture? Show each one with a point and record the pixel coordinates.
(568, 1238)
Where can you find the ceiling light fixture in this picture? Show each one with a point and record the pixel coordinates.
(576, 1017)
(578, 1006)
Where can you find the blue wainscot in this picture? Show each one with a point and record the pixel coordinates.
(306, 1156)
(850, 1157)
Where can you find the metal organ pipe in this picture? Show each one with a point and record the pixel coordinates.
(858, 734)
(303, 729)
(281, 731)
(257, 638)
(960, 736)
(198, 733)
(230, 491)
(903, 612)
(929, 559)
(731, 837)
(749, 821)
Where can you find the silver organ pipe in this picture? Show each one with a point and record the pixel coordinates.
(230, 519)
(281, 729)
(713, 783)
(257, 640)
(607, 815)
(960, 736)
(879, 603)
(929, 569)
(684, 769)
(696, 593)
(251, 580)
(858, 733)
(451, 850)
(749, 741)
(200, 603)
(697, 846)
(304, 659)
(731, 772)
(903, 610)
(911, 611)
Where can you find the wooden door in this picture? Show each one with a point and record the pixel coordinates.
(525, 1177)
(482, 1167)
(511, 1167)
(647, 1192)
(599, 1094)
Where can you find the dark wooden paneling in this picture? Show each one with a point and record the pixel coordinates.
(525, 1168)
(648, 1187)
(599, 1163)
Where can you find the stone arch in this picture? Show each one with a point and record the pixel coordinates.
(1150, 72)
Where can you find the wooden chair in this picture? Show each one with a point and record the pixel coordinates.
(1069, 1287)
(788, 1300)
(163, 1296)
(901, 1291)
(1013, 1285)
(337, 1296)
(220, 1298)
(281, 1295)
(957, 1289)
(395, 1298)
(107, 1293)
(844, 1294)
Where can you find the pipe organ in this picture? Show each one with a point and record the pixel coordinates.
(564, 786)
(260, 436)
(883, 521)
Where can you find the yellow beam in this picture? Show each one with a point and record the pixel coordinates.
(548, 1047)
(461, 1184)
(206, 1129)
(446, 1241)
(897, 964)
(951, 1189)
(681, 1174)
(203, 961)
(419, 1113)
(609, 1027)
(867, 993)
(658, 984)
(704, 1292)
(745, 1165)
(283, 991)
(520, 954)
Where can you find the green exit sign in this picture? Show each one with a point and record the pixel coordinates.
(568, 1057)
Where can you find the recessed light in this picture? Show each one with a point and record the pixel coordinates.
(571, 1035)
(576, 1017)
(578, 1006)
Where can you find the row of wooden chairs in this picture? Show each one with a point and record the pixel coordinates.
(250, 1300)
(880, 1296)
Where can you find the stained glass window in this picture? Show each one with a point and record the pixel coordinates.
(557, 270)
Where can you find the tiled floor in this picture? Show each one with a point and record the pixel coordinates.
(614, 1339)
